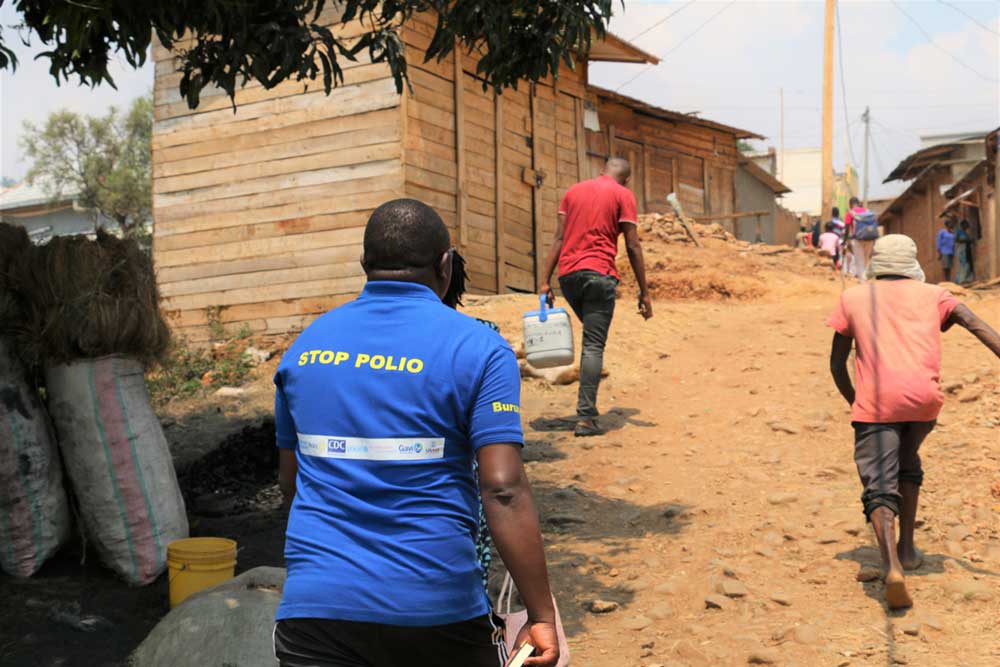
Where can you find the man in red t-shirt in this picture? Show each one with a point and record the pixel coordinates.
(895, 322)
(591, 216)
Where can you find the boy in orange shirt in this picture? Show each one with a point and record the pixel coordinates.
(895, 320)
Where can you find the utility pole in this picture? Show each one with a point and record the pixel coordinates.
(867, 118)
(781, 132)
(827, 203)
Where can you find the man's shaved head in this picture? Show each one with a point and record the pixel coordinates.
(404, 234)
(618, 168)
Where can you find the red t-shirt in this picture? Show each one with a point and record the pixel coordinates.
(594, 212)
(896, 325)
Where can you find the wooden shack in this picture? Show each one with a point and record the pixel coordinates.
(669, 152)
(952, 179)
(259, 213)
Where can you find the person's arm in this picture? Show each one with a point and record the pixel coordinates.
(288, 470)
(839, 355)
(513, 522)
(965, 318)
(287, 441)
(496, 434)
(634, 247)
(553, 259)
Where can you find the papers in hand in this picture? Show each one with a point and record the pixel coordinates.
(520, 655)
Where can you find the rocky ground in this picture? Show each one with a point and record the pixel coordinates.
(717, 523)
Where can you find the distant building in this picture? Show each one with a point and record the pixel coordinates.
(32, 207)
(955, 178)
(801, 170)
(757, 190)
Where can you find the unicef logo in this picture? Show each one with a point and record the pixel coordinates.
(417, 447)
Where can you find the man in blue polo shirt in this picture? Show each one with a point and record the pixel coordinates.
(380, 407)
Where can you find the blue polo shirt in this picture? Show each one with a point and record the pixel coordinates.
(946, 242)
(386, 400)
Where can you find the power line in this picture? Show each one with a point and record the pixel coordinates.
(678, 45)
(938, 46)
(970, 17)
(878, 160)
(663, 20)
(843, 83)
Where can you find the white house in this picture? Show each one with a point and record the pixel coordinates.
(32, 207)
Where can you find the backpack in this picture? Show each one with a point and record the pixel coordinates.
(865, 226)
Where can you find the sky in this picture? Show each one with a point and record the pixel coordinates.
(726, 60)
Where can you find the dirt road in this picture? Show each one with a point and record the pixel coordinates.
(729, 474)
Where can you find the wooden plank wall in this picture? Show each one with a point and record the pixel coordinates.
(918, 220)
(696, 162)
(478, 173)
(260, 213)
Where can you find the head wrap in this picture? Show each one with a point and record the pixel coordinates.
(895, 255)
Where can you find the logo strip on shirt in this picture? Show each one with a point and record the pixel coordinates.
(371, 449)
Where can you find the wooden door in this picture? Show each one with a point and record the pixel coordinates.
(661, 179)
(691, 184)
(720, 190)
(517, 228)
(633, 152)
(479, 234)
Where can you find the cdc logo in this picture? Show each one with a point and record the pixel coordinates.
(336, 446)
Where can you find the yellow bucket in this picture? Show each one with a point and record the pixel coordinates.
(197, 563)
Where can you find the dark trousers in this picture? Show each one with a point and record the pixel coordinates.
(322, 642)
(887, 454)
(591, 295)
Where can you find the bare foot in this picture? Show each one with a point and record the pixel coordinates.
(896, 595)
(910, 558)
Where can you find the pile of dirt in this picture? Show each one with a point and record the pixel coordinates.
(240, 475)
(718, 268)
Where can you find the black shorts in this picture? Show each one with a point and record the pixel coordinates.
(320, 642)
(887, 454)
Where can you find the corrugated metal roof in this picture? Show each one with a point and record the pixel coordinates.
(24, 195)
(666, 114)
(915, 163)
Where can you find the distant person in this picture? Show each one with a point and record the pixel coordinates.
(816, 232)
(895, 321)
(453, 299)
(839, 226)
(965, 251)
(591, 217)
(862, 229)
(829, 243)
(946, 249)
(381, 406)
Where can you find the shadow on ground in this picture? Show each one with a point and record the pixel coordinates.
(614, 419)
(581, 528)
(868, 556)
